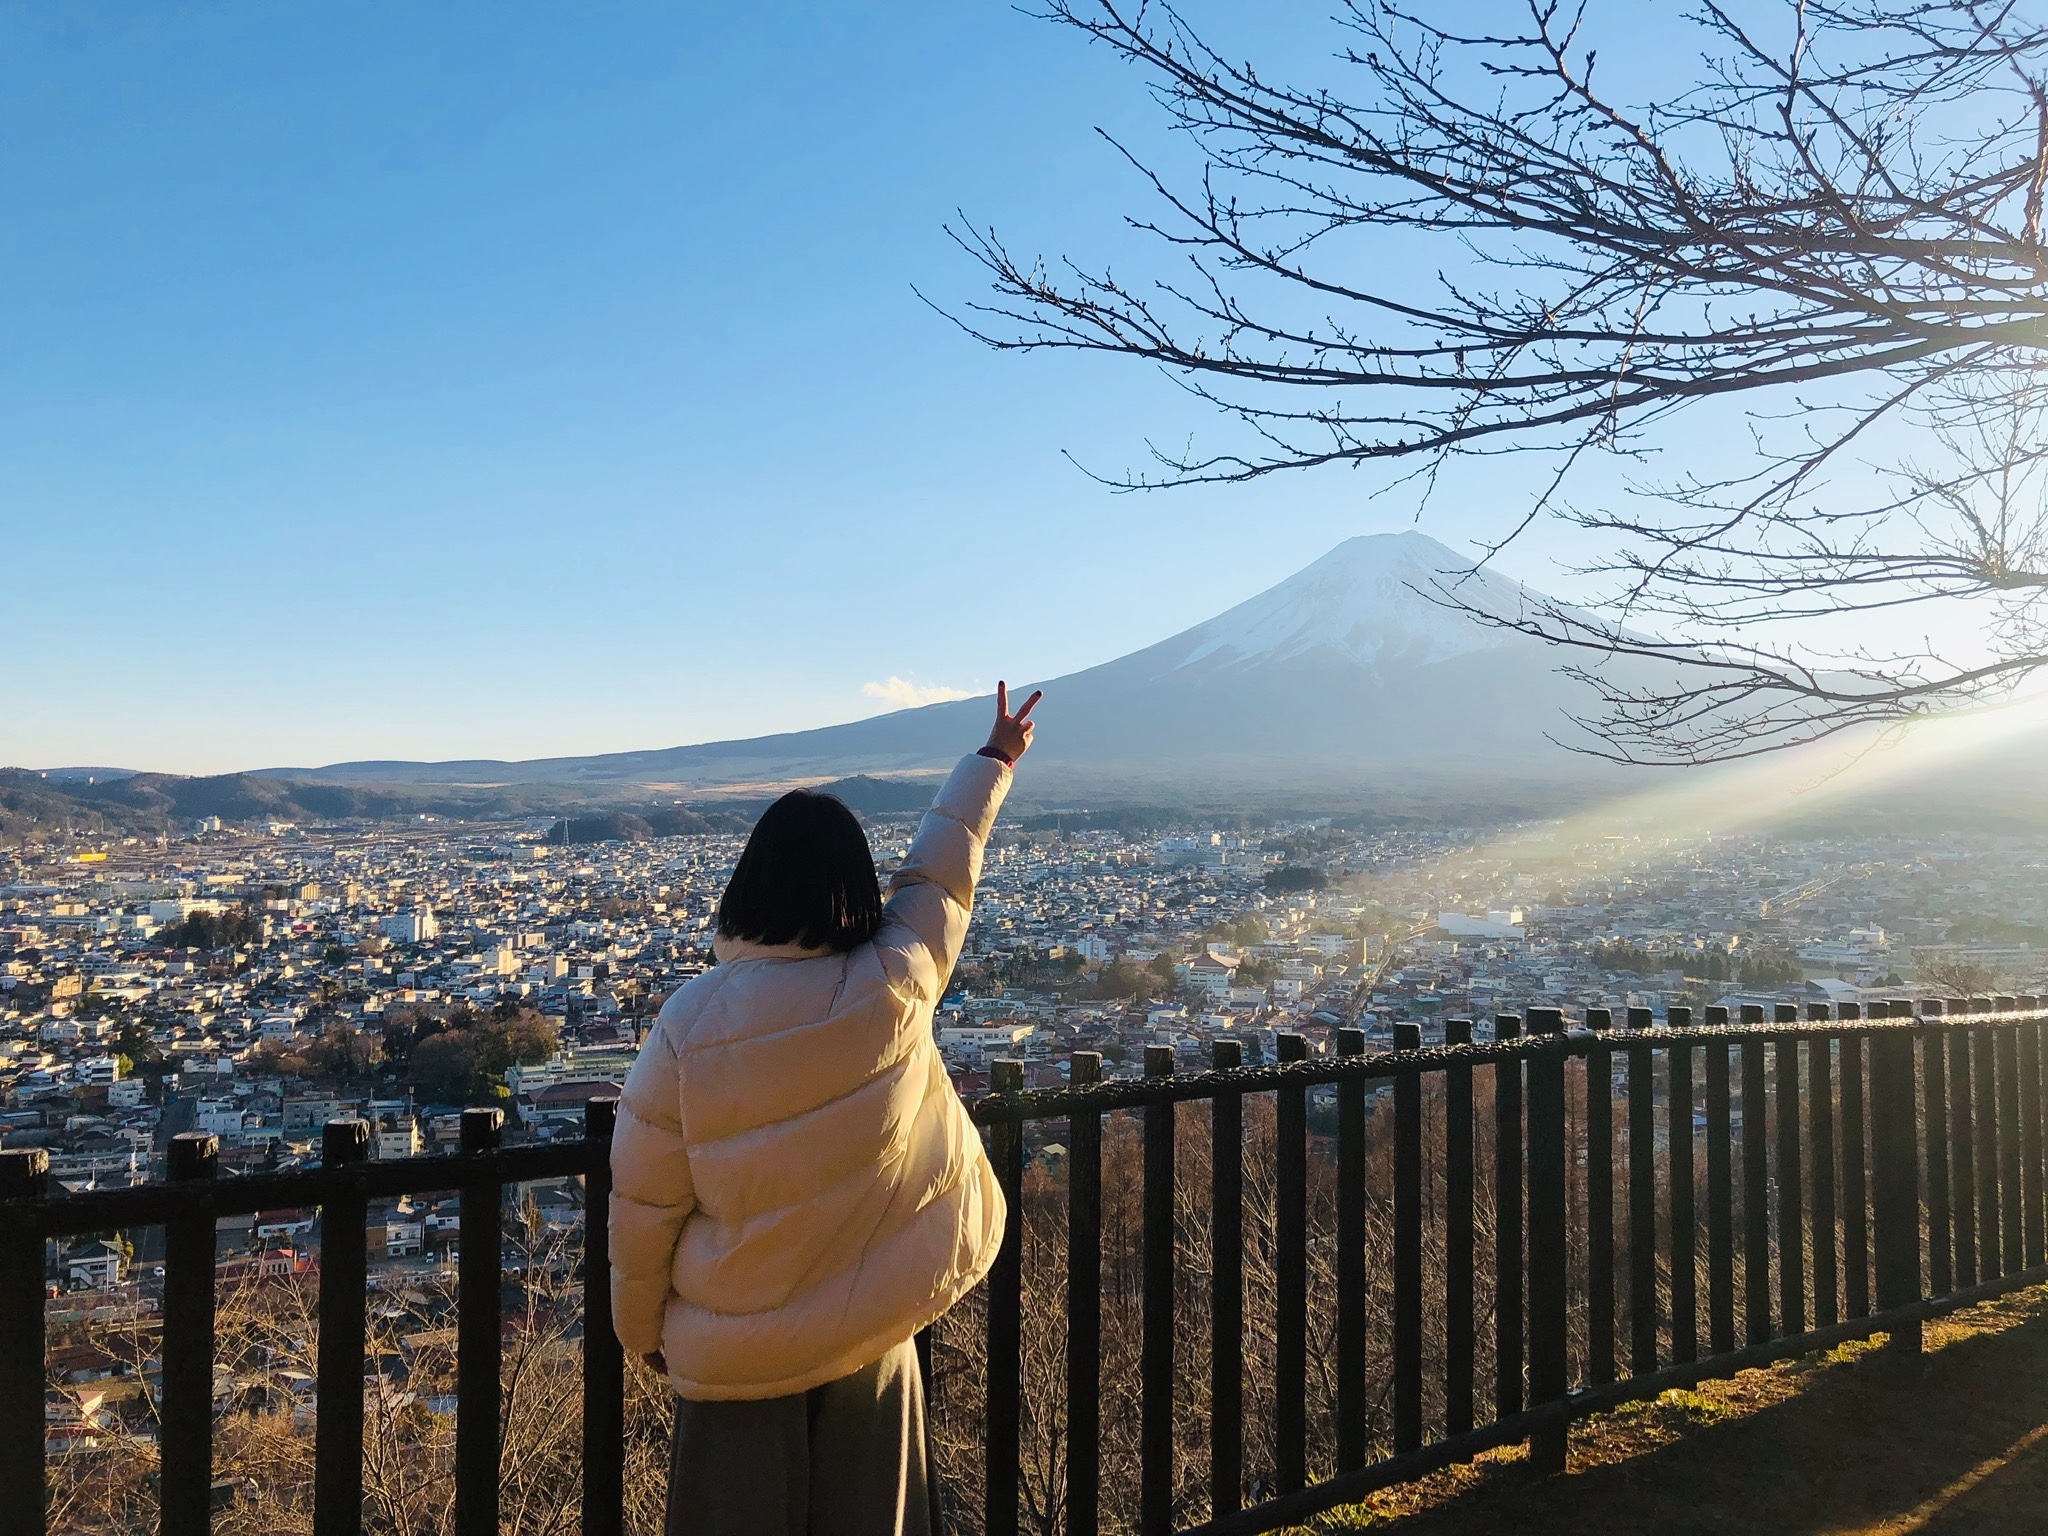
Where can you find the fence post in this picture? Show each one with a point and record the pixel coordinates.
(2011, 1204)
(1599, 1199)
(1720, 1195)
(1983, 1053)
(604, 1358)
(479, 1301)
(2030, 1132)
(1351, 1259)
(1155, 1429)
(1820, 1157)
(1507, 1206)
(1290, 1271)
(24, 1492)
(1941, 1227)
(1459, 1279)
(1685, 1322)
(1005, 1410)
(338, 1382)
(1226, 1303)
(1896, 1176)
(1547, 1305)
(1407, 1247)
(1855, 1187)
(1756, 1187)
(1084, 1299)
(185, 1414)
(1962, 1151)
(1642, 1196)
(1791, 1220)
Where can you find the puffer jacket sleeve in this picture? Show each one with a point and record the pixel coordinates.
(931, 897)
(652, 1194)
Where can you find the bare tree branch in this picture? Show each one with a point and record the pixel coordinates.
(1837, 228)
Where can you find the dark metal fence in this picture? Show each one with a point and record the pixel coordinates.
(188, 1207)
(1907, 1174)
(1901, 1154)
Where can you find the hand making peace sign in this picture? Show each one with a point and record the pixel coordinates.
(1011, 734)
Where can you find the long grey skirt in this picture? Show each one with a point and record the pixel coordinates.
(844, 1459)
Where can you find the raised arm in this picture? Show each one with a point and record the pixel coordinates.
(931, 897)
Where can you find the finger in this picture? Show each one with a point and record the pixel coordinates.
(1002, 698)
(1036, 695)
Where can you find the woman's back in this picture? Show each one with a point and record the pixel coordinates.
(797, 1186)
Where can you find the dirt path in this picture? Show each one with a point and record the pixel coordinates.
(1851, 1443)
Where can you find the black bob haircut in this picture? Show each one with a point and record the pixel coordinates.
(807, 877)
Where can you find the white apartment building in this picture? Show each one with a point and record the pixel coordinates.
(98, 1071)
(394, 1134)
(574, 1064)
(411, 925)
(218, 1117)
(1093, 947)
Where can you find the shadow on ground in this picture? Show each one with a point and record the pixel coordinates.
(1858, 1442)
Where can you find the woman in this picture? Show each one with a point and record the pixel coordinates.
(797, 1189)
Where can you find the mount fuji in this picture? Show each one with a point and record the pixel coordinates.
(1343, 675)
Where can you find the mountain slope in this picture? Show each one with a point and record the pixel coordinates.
(1341, 672)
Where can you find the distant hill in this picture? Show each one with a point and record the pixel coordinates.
(30, 805)
(881, 796)
(35, 804)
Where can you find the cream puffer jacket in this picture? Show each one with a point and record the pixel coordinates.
(797, 1188)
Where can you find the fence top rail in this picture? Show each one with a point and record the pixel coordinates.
(60, 1213)
(1574, 1040)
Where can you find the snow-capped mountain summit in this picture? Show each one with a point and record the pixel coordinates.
(1344, 673)
(1368, 601)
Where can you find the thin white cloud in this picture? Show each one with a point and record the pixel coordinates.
(901, 693)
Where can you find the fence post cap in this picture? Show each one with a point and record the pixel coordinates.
(1784, 1013)
(1158, 1063)
(1290, 1045)
(1545, 1021)
(1930, 1008)
(1226, 1053)
(481, 1128)
(1678, 1018)
(600, 1116)
(23, 1171)
(1006, 1075)
(1599, 1018)
(1717, 1016)
(1457, 1031)
(1752, 1013)
(1506, 1026)
(193, 1155)
(1351, 1041)
(346, 1140)
(1086, 1067)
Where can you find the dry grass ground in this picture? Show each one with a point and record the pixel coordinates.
(1854, 1442)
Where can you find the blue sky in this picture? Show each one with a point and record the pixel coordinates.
(520, 379)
